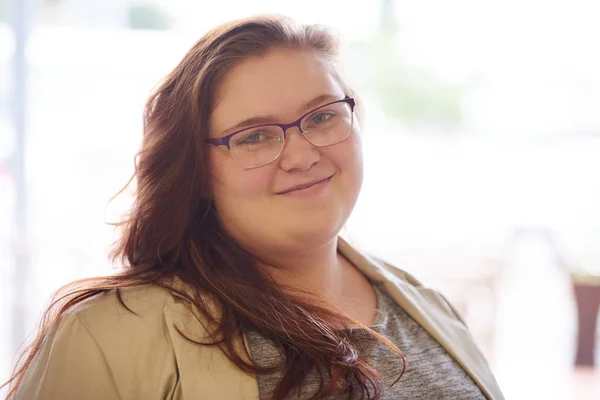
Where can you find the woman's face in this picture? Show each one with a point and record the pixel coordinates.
(251, 203)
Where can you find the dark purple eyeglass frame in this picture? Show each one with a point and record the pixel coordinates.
(224, 141)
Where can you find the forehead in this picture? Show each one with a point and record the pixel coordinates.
(275, 84)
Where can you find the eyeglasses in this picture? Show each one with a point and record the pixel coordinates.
(262, 144)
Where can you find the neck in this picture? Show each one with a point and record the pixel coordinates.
(319, 271)
(328, 276)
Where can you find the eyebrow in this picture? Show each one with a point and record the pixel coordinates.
(270, 119)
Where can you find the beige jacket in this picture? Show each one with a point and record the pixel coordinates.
(101, 351)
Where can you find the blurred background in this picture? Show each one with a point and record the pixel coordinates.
(482, 153)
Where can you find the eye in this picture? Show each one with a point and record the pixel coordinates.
(253, 138)
(320, 118)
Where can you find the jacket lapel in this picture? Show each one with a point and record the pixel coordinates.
(204, 371)
(434, 314)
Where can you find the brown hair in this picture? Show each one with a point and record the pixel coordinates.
(172, 230)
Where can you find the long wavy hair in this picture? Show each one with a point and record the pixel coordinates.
(172, 233)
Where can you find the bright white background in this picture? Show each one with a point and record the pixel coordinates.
(442, 200)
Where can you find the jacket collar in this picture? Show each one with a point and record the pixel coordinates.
(430, 310)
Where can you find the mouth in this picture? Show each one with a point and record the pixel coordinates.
(304, 186)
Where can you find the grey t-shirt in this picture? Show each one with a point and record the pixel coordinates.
(431, 373)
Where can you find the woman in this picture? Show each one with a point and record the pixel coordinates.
(236, 284)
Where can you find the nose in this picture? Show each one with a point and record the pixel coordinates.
(298, 153)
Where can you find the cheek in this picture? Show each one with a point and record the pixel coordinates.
(357, 152)
(232, 184)
(349, 159)
(250, 186)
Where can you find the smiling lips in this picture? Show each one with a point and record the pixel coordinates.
(304, 185)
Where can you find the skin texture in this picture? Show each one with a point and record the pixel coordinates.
(295, 235)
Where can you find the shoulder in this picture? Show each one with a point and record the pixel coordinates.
(398, 272)
(421, 288)
(100, 349)
(376, 269)
(429, 295)
(135, 326)
(129, 307)
(407, 290)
